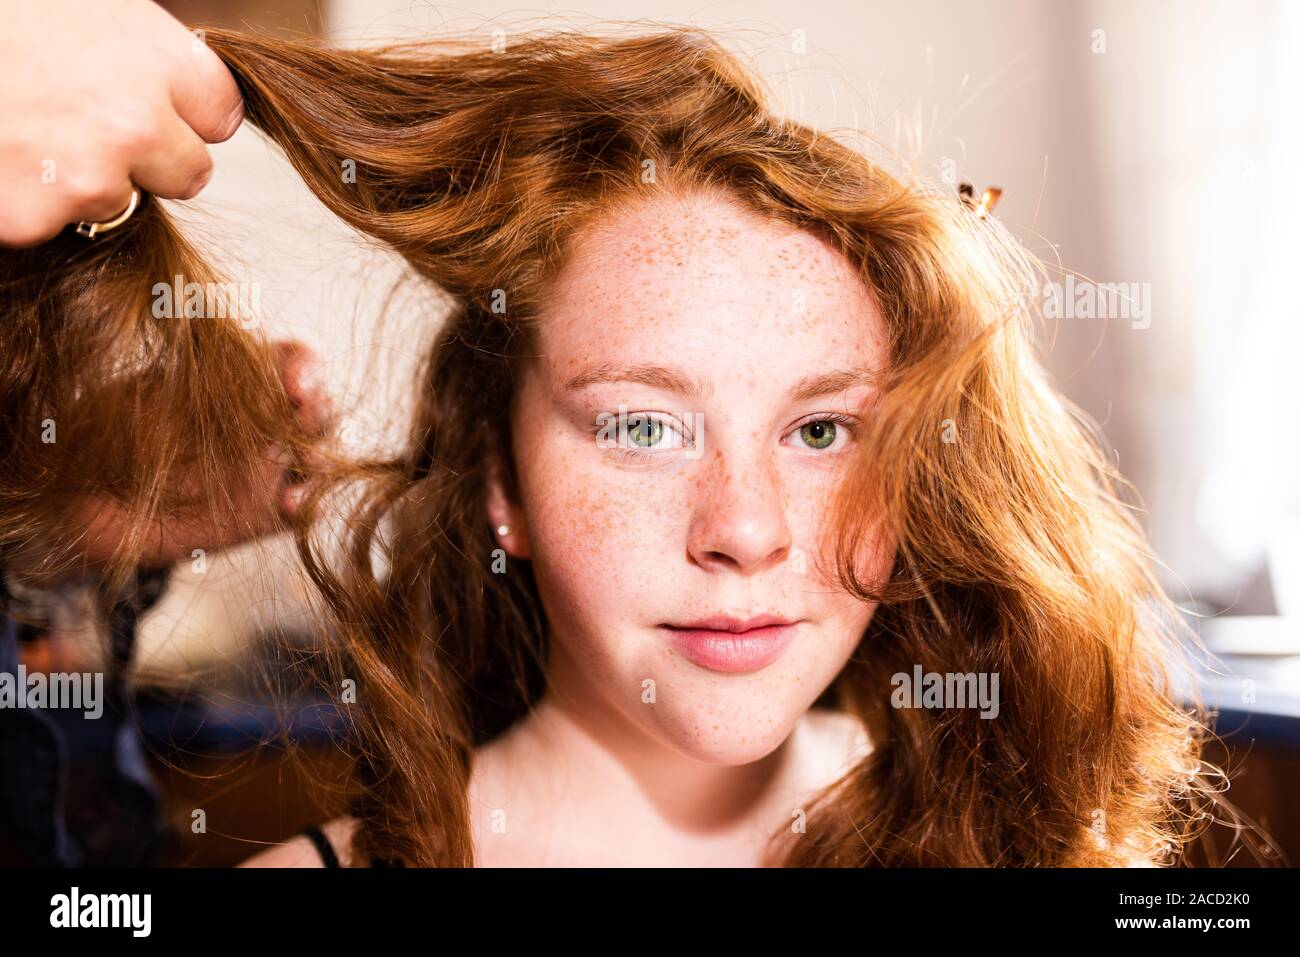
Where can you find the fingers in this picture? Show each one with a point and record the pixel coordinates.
(96, 96)
(294, 485)
(302, 374)
(205, 95)
(259, 501)
(253, 510)
(153, 149)
(80, 185)
(29, 220)
(174, 164)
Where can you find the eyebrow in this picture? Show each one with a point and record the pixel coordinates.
(674, 380)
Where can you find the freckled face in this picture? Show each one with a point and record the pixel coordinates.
(710, 499)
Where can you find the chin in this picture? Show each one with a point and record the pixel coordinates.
(728, 732)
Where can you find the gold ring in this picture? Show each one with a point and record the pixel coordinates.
(91, 229)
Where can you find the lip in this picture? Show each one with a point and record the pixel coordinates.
(728, 623)
(730, 645)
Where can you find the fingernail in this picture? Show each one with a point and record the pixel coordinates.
(294, 496)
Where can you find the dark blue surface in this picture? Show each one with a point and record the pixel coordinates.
(1280, 731)
(167, 725)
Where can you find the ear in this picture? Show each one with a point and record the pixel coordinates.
(505, 513)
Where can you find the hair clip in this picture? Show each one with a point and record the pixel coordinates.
(986, 203)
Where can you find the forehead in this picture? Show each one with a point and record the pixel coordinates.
(699, 277)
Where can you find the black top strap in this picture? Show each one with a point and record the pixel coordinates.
(331, 859)
(323, 845)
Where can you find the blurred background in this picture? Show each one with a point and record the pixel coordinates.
(1146, 144)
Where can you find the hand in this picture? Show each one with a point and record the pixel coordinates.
(261, 502)
(96, 96)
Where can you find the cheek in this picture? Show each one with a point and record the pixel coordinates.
(601, 539)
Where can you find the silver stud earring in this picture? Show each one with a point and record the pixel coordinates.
(503, 530)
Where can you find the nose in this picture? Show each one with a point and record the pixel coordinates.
(739, 521)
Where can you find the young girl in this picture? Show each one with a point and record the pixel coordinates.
(737, 524)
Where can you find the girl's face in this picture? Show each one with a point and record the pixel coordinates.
(740, 352)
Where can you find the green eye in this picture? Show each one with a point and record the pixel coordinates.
(819, 434)
(645, 431)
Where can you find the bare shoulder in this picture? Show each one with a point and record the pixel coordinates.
(299, 851)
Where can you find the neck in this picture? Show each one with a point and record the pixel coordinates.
(588, 783)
